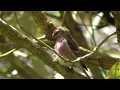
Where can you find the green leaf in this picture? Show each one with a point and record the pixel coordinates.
(114, 72)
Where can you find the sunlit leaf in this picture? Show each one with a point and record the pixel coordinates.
(114, 72)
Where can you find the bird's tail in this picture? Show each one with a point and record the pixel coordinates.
(84, 66)
(81, 68)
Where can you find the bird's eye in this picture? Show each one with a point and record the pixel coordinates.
(56, 33)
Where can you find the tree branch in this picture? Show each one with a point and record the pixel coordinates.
(116, 15)
(37, 50)
(93, 53)
(98, 59)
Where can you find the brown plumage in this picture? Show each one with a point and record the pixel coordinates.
(65, 44)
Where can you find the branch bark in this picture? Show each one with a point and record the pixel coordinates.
(99, 59)
(116, 15)
(37, 50)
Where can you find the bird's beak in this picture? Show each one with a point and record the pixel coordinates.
(53, 36)
(54, 32)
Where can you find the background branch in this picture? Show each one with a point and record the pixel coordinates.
(116, 15)
(75, 30)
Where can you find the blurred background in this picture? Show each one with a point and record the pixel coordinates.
(88, 28)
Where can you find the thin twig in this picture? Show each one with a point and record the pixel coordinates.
(58, 18)
(5, 54)
(93, 32)
(95, 49)
(85, 26)
(53, 16)
(84, 23)
(91, 25)
(63, 18)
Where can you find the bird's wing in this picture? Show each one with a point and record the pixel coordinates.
(73, 46)
(75, 49)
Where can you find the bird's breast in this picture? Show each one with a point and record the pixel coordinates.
(62, 48)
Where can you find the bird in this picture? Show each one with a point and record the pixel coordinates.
(66, 46)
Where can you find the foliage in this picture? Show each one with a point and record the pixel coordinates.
(114, 72)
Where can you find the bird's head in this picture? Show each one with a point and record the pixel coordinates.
(60, 32)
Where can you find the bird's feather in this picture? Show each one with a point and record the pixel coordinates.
(73, 45)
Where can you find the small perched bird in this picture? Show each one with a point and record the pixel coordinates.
(65, 45)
